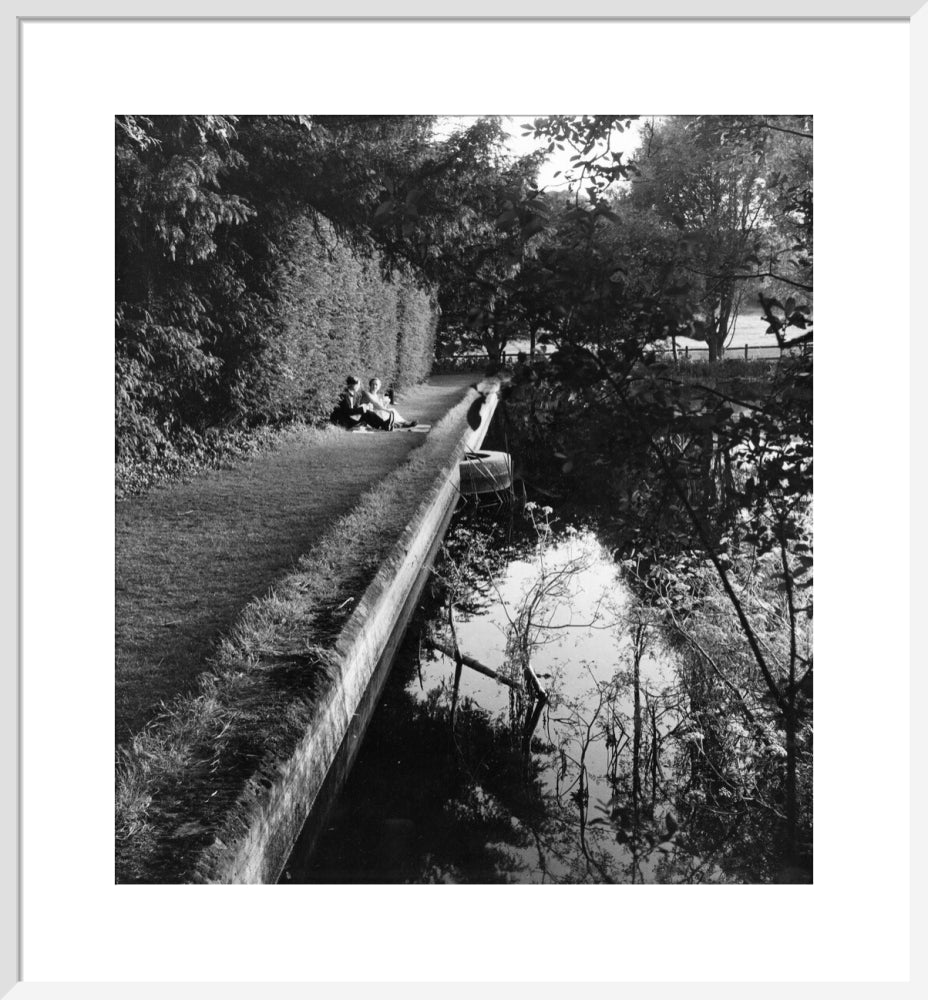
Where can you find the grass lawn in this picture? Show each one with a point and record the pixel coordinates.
(193, 780)
(189, 557)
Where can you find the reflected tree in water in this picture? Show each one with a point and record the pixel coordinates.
(642, 765)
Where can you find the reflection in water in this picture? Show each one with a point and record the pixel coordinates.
(574, 764)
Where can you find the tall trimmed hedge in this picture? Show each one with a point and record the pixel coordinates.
(417, 328)
(335, 314)
(325, 311)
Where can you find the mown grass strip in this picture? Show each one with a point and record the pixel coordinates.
(190, 556)
(194, 776)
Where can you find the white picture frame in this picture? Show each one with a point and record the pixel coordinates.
(24, 657)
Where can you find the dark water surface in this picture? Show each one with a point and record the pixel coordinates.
(590, 785)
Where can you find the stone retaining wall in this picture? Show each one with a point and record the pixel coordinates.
(364, 650)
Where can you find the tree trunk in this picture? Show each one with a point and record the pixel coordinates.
(655, 750)
(719, 334)
(636, 739)
(792, 807)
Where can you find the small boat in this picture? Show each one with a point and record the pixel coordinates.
(485, 472)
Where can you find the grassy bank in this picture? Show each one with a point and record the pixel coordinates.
(193, 775)
(190, 556)
(726, 370)
(221, 449)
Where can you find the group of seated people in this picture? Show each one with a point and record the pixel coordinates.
(368, 408)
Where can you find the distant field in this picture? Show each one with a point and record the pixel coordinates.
(750, 330)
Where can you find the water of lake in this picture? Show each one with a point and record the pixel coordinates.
(590, 783)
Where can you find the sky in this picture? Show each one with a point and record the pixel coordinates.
(559, 160)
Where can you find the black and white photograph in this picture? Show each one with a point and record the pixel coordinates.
(422, 480)
(464, 499)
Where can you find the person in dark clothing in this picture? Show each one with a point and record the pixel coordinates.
(351, 412)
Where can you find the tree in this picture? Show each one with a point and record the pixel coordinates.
(712, 191)
(616, 279)
(783, 146)
(734, 193)
(171, 211)
(478, 255)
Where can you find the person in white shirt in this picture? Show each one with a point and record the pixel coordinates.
(383, 407)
